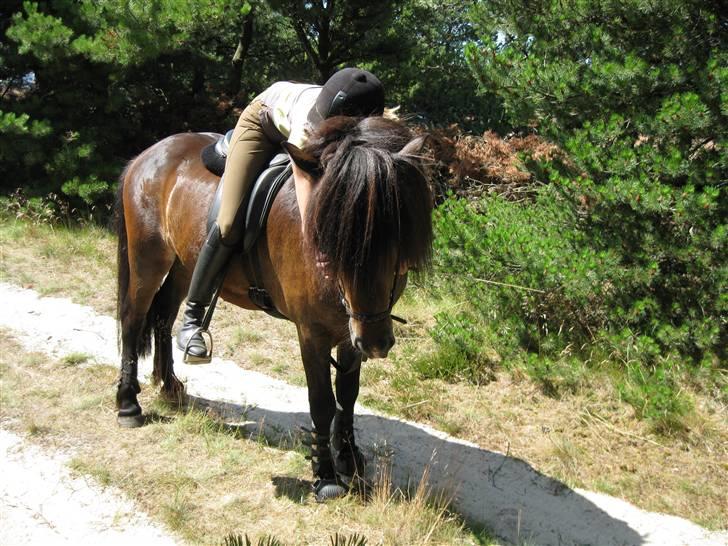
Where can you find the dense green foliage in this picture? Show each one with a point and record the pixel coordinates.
(429, 75)
(86, 85)
(336, 33)
(623, 257)
(90, 86)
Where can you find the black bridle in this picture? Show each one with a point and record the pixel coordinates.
(370, 318)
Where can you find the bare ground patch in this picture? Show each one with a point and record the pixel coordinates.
(586, 438)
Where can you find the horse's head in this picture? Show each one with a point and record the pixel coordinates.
(370, 216)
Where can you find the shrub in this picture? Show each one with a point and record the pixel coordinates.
(471, 166)
(51, 209)
(656, 396)
(527, 270)
(462, 351)
(633, 247)
(535, 284)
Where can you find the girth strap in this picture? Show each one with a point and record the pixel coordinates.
(257, 294)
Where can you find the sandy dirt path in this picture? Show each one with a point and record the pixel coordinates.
(507, 495)
(42, 503)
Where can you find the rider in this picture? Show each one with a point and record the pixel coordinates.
(285, 111)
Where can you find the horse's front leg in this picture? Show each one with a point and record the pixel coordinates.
(349, 460)
(315, 352)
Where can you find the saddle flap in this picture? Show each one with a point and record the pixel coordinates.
(261, 198)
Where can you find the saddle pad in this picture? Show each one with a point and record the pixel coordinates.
(215, 155)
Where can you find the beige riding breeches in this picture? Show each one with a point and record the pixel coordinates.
(250, 150)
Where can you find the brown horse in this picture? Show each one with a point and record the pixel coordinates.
(369, 214)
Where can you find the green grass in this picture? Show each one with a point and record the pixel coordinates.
(451, 363)
(60, 261)
(656, 396)
(97, 471)
(243, 336)
(558, 376)
(259, 359)
(177, 513)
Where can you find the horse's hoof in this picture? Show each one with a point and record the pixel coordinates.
(130, 421)
(356, 483)
(328, 489)
(174, 395)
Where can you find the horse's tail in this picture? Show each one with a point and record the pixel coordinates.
(122, 254)
(123, 276)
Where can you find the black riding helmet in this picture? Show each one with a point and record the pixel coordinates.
(349, 92)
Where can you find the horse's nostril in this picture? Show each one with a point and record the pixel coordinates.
(380, 348)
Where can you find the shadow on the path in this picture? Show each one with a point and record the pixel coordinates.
(507, 495)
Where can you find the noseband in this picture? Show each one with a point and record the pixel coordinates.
(370, 318)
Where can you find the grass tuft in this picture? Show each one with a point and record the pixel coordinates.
(96, 471)
(656, 396)
(177, 513)
(34, 429)
(351, 540)
(75, 359)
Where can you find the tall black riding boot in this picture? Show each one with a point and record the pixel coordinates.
(208, 274)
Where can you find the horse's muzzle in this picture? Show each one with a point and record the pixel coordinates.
(378, 348)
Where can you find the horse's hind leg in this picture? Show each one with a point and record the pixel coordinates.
(129, 413)
(146, 265)
(349, 461)
(166, 304)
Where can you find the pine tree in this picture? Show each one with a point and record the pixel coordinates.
(635, 91)
(89, 84)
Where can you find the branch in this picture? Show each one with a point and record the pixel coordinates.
(298, 27)
(11, 82)
(245, 38)
(486, 281)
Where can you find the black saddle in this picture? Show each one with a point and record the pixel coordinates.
(250, 221)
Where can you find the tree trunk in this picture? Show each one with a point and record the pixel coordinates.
(198, 82)
(241, 52)
(325, 66)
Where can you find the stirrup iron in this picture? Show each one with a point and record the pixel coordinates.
(187, 358)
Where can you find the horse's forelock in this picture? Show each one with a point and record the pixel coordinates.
(370, 197)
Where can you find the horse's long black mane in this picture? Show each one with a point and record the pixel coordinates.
(373, 198)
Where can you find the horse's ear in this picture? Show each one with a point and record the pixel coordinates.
(414, 147)
(303, 160)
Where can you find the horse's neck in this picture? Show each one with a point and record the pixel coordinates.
(283, 228)
(289, 263)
